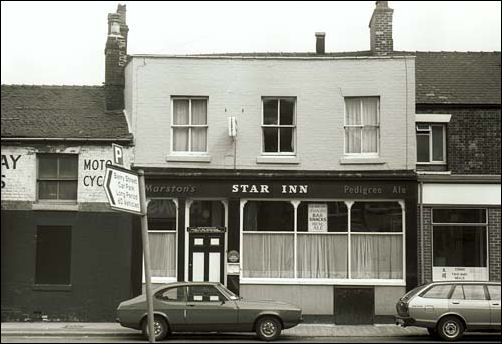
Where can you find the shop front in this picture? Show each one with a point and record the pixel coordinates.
(325, 241)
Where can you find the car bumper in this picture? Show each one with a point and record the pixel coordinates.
(405, 321)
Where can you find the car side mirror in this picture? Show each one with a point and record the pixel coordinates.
(222, 302)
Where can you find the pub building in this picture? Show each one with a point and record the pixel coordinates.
(285, 176)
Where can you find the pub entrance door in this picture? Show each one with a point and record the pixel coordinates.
(206, 241)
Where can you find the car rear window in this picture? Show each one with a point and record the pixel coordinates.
(441, 291)
(494, 291)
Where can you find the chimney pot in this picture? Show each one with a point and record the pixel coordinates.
(320, 46)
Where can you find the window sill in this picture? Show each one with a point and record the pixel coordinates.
(361, 161)
(431, 163)
(322, 281)
(188, 158)
(275, 159)
(52, 287)
(55, 206)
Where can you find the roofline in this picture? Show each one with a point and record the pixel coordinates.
(72, 139)
(251, 57)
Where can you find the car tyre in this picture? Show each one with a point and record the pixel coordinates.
(450, 328)
(268, 328)
(159, 326)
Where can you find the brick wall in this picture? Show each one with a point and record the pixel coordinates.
(426, 252)
(473, 139)
(494, 243)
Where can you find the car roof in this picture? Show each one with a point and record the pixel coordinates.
(463, 282)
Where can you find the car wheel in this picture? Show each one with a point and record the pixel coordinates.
(450, 328)
(268, 328)
(159, 326)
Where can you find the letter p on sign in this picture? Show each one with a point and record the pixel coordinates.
(118, 155)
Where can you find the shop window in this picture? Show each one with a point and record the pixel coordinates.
(189, 125)
(431, 143)
(459, 238)
(279, 125)
(376, 240)
(268, 239)
(322, 240)
(362, 126)
(53, 264)
(162, 238)
(57, 177)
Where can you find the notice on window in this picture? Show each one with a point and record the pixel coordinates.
(318, 217)
(448, 273)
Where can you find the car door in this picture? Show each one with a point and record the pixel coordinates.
(470, 301)
(494, 291)
(172, 302)
(209, 310)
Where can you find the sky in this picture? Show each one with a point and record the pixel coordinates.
(62, 43)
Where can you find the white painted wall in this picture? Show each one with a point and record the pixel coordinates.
(236, 86)
(19, 180)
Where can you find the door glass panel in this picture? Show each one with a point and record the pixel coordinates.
(214, 267)
(458, 293)
(494, 291)
(205, 293)
(207, 214)
(215, 241)
(198, 266)
(198, 241)
(438, 292)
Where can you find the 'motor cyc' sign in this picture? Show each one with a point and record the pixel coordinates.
(122, 189)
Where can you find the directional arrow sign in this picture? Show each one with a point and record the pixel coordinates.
(122, 189)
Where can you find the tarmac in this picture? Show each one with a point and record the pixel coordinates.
(76, 329)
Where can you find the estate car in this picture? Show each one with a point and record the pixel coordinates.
(447, 309)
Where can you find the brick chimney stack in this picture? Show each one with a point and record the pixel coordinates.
(115, 59)
(381, 42)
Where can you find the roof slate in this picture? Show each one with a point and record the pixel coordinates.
(59, 112)
(457, 78)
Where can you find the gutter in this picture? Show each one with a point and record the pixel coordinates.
(459, 178)
(70, 139)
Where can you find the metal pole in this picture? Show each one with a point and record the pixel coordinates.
(146, 255)
(422, 268)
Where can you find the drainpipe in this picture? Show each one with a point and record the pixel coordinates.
(421, 204)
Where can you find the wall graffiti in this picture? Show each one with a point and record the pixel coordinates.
(9, 162)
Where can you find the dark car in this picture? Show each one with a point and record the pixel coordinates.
(447, 309)
(207, 307)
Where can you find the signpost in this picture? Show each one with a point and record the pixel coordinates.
(125, 191)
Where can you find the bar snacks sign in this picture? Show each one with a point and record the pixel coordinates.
(318, 217)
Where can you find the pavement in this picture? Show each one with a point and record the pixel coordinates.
(114, 329)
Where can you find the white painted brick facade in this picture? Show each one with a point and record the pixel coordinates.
(235, 87)
(20, 184)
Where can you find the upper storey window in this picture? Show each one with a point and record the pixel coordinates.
(431, 143)
(57, 177)
(189, 124)
(362, 126)
(279, 126)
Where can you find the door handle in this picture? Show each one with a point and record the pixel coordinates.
(455, 302)
(190, 305)
(495, 304)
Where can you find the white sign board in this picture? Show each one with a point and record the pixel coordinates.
(122, 189)
(118, 155)
(318, 217)
(448, 273)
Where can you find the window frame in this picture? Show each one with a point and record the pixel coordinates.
(278, 126)
(58, 179)
(361, 126)
(428, 132)
(461, 224)
(190, 126)
(164, 279)
(322, 281)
